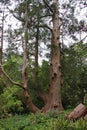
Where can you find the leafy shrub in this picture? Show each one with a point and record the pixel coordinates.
(85, 99)
(41, 122)
(9, 102)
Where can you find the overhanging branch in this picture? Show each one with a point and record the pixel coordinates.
(12, 81)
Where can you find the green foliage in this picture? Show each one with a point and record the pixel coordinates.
(13, 66)
(41, 122)
(74, 67)
(41, 83)
(44, 75)
(85, 99)
(9, 101)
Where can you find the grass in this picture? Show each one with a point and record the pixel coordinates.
(50, 121)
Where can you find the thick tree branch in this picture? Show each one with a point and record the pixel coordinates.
(12, 81)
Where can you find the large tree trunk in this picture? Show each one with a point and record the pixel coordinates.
(54, 101)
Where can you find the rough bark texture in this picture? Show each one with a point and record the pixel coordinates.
(79, 111)
(54, 101)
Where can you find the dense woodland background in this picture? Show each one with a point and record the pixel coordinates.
(29, 47)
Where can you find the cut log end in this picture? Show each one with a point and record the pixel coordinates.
(78, 112)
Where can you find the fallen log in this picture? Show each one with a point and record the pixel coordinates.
(78, 112)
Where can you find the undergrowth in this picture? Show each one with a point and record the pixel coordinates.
(50, 121)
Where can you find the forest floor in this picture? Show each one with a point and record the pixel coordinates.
(50, 121)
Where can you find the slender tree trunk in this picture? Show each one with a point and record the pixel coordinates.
(54, 101)
(27, 97)
(1, 44)
(36, 55)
